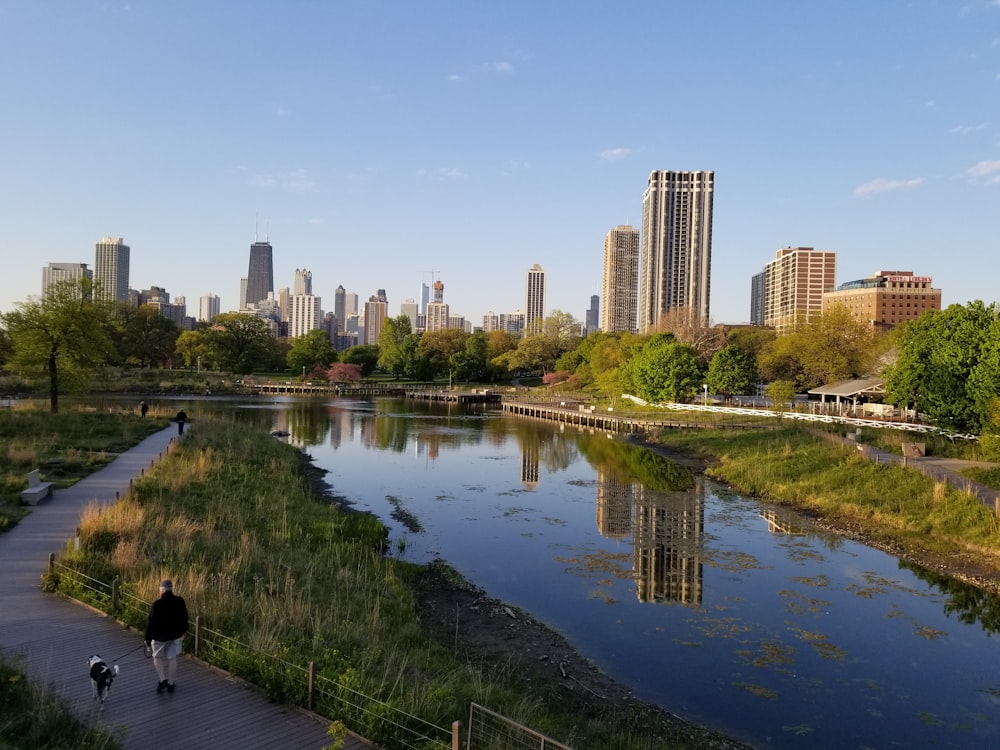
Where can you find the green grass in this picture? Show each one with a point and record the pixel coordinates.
(33, 718)
(231, 517)
(64, 447)
(889, 504)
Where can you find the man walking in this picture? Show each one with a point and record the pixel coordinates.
(181, 419)
(166, 627)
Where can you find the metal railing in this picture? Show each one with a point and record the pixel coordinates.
(280, 678)
(489, 730)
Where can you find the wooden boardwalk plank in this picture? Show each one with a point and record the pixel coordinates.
(51, 638)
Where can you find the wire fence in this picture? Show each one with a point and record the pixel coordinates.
(281, 679)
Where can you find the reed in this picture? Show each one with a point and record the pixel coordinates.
(891, 503)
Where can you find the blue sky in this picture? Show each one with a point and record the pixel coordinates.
(383, 144)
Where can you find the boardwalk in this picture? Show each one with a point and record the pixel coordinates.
(52, 638)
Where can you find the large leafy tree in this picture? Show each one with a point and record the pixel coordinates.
(666, 370)
(437, 347)
(147, 339)
(830, 347)
(363, 355)
(63, 334)
(732, 371)
(6, 347)
(195, 350)
(311, 351)
(392, 355)
(471, 363)
(947, 365)
(241, 343)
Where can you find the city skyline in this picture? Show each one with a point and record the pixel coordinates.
(474, 140)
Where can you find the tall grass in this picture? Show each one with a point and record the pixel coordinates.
(64, 447)
(889, 503)
(230, 517)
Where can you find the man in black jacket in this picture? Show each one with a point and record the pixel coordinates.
(166, 627)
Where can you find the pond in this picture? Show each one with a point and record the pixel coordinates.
(726, 611)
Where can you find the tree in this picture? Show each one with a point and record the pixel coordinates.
(830, 347)
(6, 347)
(312, 351)
(195, 350)
(242, 343)
(666, 370)
(343, 372)
(947, 365)
(437, 347)
(363, 355)
(732, 371)
(147, 338)
(63, 334)
(688, 329)
(390, 345)
(471, 364)
(781, 393)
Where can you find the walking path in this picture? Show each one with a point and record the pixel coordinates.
(52, 638)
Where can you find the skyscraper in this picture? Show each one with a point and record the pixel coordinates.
(676, 260)
(621, 280)
(55, 273)
(376, 309)
(534, 300)
(303, 282)
(209, 307)
(304, 314)
(111, 269)
(437, 310)
(260, 276)
(339, 307)
(593, 319)
(794, 284)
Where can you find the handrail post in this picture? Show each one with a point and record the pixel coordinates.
(197, 634)
(52, 561)
(114, 594)
(312, 678)
(456, 735)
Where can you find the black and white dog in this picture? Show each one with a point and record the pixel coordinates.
(101, 676)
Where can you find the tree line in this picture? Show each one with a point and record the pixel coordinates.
(946, 364)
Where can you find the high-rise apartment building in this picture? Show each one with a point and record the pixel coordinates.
(376, 308)
(209, 307)
(620, 289)
(794, 284)
(111, 269)
(57, 273)
(304, 314)
(260, 274)
(676, 257)
(534, 300)
(437, 309)
(886, 299)
(410, 309)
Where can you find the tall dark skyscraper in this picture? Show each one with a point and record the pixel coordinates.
(260, 276)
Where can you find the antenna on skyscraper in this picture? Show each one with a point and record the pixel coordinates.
(256, 221)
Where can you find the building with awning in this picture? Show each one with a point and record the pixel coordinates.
(853, 392)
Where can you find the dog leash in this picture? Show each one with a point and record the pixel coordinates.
(147, 651)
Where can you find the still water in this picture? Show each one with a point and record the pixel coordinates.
(726, 611)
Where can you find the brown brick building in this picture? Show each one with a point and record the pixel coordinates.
(886, 299)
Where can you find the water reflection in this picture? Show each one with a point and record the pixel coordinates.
(726, 611)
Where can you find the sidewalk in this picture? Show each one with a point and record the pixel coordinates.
(51, 639)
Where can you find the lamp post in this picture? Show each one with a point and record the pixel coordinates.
(705, 386)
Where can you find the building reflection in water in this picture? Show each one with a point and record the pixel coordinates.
(667, 530)
(783, 523)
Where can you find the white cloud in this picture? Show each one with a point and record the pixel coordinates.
(295, 181)
(966, 129)
(614, 154)
(499, 67)
(455, 77)
(441, 173)
(281, 111)
(884, 185)
(930, 104)
(987, 172)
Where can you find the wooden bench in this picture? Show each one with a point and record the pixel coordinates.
(37, 489)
